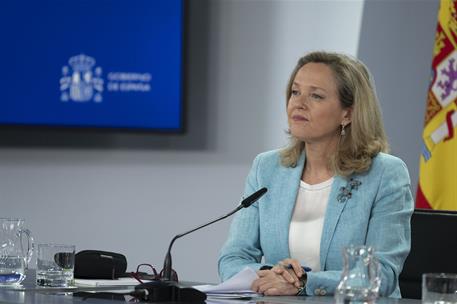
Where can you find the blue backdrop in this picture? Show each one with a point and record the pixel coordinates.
(92, 63)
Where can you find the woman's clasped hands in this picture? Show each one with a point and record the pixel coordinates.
(284, 279)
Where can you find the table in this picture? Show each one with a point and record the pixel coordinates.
(31, 294)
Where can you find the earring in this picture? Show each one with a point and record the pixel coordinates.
(343, 132)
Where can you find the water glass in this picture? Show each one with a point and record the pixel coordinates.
(439, 288)
(55, 265)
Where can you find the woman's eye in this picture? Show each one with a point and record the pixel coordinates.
(317, 96)
(295, 93)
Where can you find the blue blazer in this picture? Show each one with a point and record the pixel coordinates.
(376, 213)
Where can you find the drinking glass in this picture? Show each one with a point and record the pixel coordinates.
(439, 288)
(55, 265)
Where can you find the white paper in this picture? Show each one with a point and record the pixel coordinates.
(117, 282)
(238, 284)
(213, 300)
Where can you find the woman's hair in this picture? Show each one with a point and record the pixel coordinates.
(365, 136)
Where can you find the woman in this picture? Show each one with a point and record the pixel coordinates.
(333, 186)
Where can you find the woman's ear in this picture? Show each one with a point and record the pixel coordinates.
(347, 116)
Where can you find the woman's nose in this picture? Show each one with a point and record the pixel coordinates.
(302, 102)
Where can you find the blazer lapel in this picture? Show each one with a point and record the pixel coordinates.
(332, 215)
(290, 181)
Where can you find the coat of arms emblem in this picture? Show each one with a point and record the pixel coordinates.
(81, 81)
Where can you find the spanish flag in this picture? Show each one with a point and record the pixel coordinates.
(438, 162)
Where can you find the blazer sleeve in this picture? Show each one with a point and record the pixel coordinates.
(242, 247)
(389, 232)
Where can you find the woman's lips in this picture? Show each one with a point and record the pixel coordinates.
(299, 118)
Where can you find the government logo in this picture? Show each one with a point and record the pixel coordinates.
(81, 80)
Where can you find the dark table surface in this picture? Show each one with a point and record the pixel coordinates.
(28, 293)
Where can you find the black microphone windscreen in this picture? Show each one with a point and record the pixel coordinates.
(251, 199)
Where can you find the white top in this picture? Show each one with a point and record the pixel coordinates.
(305, 229)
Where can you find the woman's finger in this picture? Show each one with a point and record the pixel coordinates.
(287, 274)
(262, 273)
(265, 276)
(272, 292)
(295, 265)
(266, 284)
(281, 288)
(255, 285)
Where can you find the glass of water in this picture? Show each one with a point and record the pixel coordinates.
(439, 288)
(55, 265)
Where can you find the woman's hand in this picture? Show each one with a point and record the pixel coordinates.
(291, 275)
(272, 284)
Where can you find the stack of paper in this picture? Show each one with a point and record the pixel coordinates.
(117, 282)
(237, 287)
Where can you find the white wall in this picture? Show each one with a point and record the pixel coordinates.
(396, 42)
(134, 192)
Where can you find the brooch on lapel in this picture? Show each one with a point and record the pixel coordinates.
(346, 192)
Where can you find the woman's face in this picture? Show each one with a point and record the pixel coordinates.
(314, 110)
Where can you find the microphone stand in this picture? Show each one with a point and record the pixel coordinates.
(167, 265)
(167, 269)
(167, 290)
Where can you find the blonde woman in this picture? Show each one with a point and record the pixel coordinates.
(333, 186)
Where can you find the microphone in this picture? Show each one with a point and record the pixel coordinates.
(245, 203)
